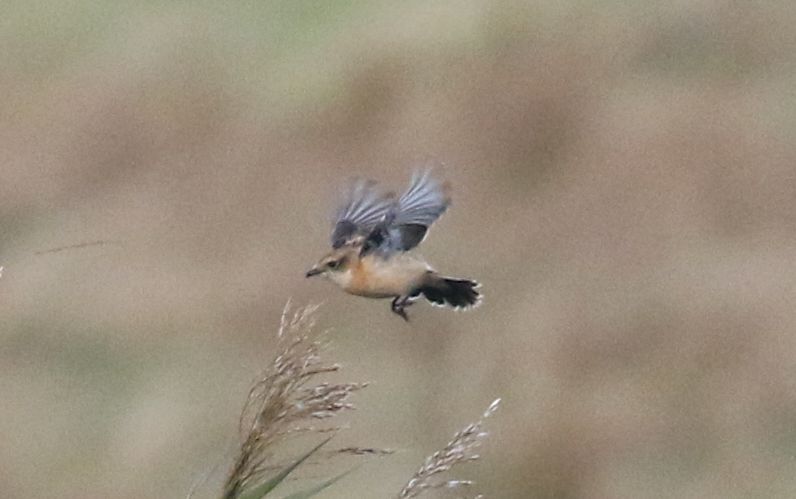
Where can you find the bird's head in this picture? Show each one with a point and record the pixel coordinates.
(335, 263)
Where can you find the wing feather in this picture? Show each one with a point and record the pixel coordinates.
(363, 208)
(406, 222)
(424, 202)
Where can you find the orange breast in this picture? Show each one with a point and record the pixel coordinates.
(378, 278)
(360, 281)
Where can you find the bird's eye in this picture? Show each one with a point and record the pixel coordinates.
(334, 264)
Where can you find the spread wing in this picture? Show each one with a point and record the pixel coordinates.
(364, 207)
(407, 221)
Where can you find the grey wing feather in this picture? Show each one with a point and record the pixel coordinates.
(422, 204)
(424, 201)
(364, 207)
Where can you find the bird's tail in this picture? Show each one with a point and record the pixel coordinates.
(446, 291)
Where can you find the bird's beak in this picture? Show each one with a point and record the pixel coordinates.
(314, 271)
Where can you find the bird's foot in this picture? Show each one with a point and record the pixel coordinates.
(398, 306)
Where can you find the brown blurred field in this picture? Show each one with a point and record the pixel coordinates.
(625, 189)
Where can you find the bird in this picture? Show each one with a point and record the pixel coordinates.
(372, 237)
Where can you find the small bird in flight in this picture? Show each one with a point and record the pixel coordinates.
(372, 235)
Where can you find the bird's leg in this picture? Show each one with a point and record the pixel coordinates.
(398, 305)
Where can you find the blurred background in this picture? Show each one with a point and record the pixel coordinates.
(624, 189)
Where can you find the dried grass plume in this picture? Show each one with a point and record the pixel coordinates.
(282, 402)
(462, 448)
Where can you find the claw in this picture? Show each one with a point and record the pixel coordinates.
(403, 315)
(398, 305)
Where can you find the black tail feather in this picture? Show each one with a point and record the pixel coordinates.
(456, 293)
